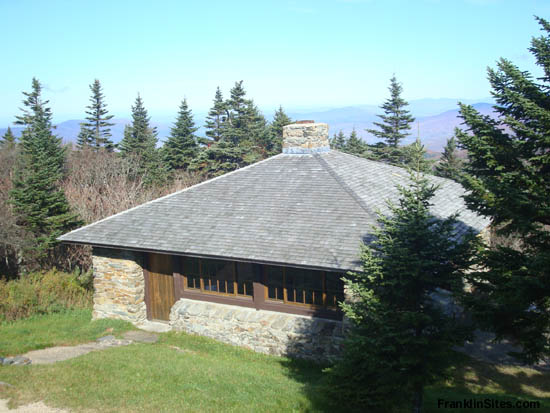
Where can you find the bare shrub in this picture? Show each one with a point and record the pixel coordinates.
(101, 184)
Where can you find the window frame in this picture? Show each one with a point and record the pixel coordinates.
(259, 299)
(202, 277)
(285, 300)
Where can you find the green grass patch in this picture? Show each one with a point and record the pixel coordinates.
(60, 329)
(179, 373)
(197, 374)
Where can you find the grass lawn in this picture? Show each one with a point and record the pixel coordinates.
(60, 329)
(196, 374)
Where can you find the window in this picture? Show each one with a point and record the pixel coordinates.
(275, 285)
(191, 271)
(245, 278)
(304, 287)
(309, 289)
(334, 288)
(219, 277)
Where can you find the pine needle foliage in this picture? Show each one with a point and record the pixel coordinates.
(244, 125)
(140, 144)
(182, 145)
(401, 338)
(338, 141)
(85, 138)
(280, 120)
(396, 120)
(38, 201)
(98, 118)
(216, 118)
(508, 179)
(450, 165)
(414, 157)
(354, 145)
(8, 140)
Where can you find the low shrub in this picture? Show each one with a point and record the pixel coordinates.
(43, 293)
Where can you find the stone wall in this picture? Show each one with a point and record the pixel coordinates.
(119, 285)
(262, 331)
(305, 138)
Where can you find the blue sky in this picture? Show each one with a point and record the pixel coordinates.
(299, 53)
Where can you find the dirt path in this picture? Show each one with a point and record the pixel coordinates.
(55, 354)
(38, 407)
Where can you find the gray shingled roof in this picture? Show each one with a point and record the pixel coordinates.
(304, 210)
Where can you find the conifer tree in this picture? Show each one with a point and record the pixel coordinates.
(401, 338)
(396, 120)
(354, 145)
(449, 165)
(8, 140)
(182, 145)
(338, 141)
(85, 138)
(39, 203)
(414, 156)
(235, 127)
(140, 144)
(216, 118)
(280, 120)
(245, 125)
(508, 180)
(98, 119)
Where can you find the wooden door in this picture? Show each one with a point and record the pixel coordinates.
(161, 286)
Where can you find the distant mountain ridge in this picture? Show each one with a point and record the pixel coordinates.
(436, 120)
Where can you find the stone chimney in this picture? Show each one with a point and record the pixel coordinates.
(305, 136)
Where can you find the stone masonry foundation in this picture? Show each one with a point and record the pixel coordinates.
(119, 285)
(262, 331)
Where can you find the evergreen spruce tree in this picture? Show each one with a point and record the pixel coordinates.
(216, 118)
(85, 138)
(245, 125)
(449, 166)
(222, 157)
(256, 129)
(8, 140)
(280, 120)
(98, 119)
(354, 145)
(39, 203)
(140, 144)
(182, 145)
(401, 338)
(236, 109)
(414, 156)
(508, 179)
(396, 120)
(338, 141)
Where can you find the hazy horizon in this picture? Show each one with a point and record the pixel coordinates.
(300, 54)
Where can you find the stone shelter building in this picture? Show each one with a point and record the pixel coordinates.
(253, 257)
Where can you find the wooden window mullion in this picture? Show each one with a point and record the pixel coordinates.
(324, 278)
(285, 293)
(201, 279)
(235, 283)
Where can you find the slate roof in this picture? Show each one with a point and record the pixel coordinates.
(309, 210)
